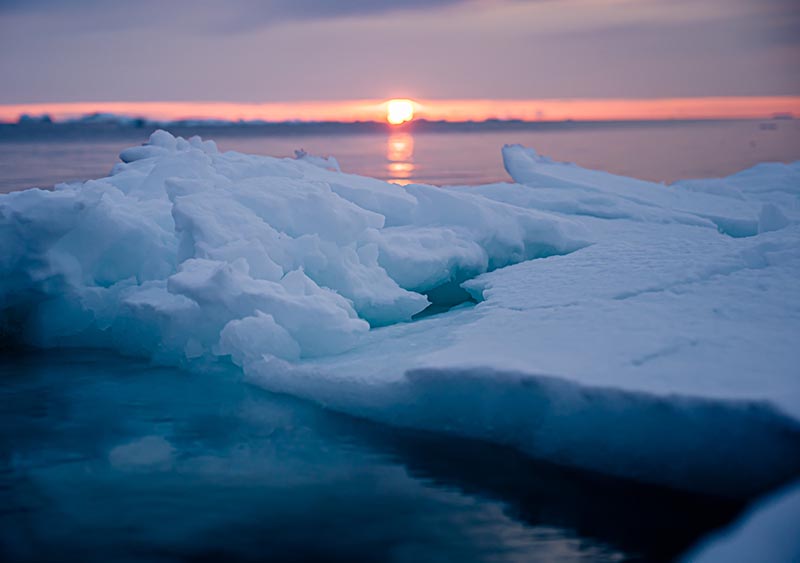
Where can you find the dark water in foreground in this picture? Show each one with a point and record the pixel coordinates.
(109, 459)
(662, 151)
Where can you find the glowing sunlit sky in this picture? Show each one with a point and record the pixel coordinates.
(287, 59)
(449, 110)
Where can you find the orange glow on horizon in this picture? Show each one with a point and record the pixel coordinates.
(756, 107)
(399, 111)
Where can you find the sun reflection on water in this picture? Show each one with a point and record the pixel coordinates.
(400, 157)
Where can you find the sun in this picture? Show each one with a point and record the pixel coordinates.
(399, 111)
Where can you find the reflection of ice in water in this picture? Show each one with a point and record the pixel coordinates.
(400, 157)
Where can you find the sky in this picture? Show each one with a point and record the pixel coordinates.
(250, 51)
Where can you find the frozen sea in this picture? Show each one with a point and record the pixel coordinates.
(110, 458)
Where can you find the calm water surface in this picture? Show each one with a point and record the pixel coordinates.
(663, 152)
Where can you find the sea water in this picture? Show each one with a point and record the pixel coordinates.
(42, 156)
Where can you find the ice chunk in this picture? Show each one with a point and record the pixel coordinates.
(324, 162)
(320, 320)
(251, 338)
(525, 166)
(421, 258)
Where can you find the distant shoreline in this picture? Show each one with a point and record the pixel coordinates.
(37, 127)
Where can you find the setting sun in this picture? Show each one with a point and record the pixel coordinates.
(399, 111)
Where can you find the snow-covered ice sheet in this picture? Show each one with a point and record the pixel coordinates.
(637, 329)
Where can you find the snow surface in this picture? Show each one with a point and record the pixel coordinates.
(641, 330)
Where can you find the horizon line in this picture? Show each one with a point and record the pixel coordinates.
(452, 110)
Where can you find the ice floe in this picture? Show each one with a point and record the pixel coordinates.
(641, 330)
